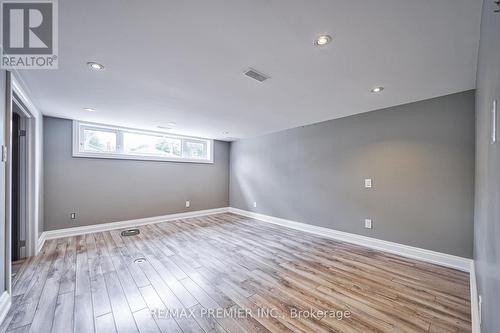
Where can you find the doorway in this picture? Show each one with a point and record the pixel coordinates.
(21, 154)
(19, 189)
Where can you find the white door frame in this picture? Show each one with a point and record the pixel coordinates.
(33, 168)
(8, 177)
(26, 153)
(33, 165)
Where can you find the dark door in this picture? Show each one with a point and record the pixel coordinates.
(16, 223)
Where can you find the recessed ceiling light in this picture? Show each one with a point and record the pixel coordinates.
(376, 89)
(164, 127)
(95, 66)
(169, 125)
(89, 109)
(323, 40)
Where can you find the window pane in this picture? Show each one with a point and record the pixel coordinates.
(114, 142)
(195, 149)
(99, 141)
(142, 144)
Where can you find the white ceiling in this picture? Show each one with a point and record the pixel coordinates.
(182, 61)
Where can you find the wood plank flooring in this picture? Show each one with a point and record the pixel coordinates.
(253, 276)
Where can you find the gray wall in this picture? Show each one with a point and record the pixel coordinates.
(487, 219)
(109, 190)
(420, 157)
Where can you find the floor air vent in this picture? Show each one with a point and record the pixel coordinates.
(130, 232)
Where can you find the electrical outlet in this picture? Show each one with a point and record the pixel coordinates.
(368, 183)
(188, 204)
(255, 204)
(72, 216)
(368, 223)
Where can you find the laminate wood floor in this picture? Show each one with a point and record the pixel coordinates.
(227, 273)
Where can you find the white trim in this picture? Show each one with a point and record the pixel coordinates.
(120, 154)
(34, 163)
(443, 259)
(8, 177)
(448, 260)
(68, 232)
(41, 241)
(21, 92)
(463, 264)
(5, 303)
(474, 301)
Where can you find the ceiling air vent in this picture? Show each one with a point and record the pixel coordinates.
(256, 75)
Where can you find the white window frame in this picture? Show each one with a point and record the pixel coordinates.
(79, 126)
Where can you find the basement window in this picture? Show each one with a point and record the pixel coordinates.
(103, 141)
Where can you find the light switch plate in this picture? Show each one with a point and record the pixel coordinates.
(255, 204)
(188, 204)
(368, 183)
(72, 216)
(368, 223)
(480, 306)
(494, 122)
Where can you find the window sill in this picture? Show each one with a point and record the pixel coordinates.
(139, 158)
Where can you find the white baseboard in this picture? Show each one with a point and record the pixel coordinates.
(448, 260)
(443, 259)
(68, 232)
(40, 242)
(5, 303)
(474, 300)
